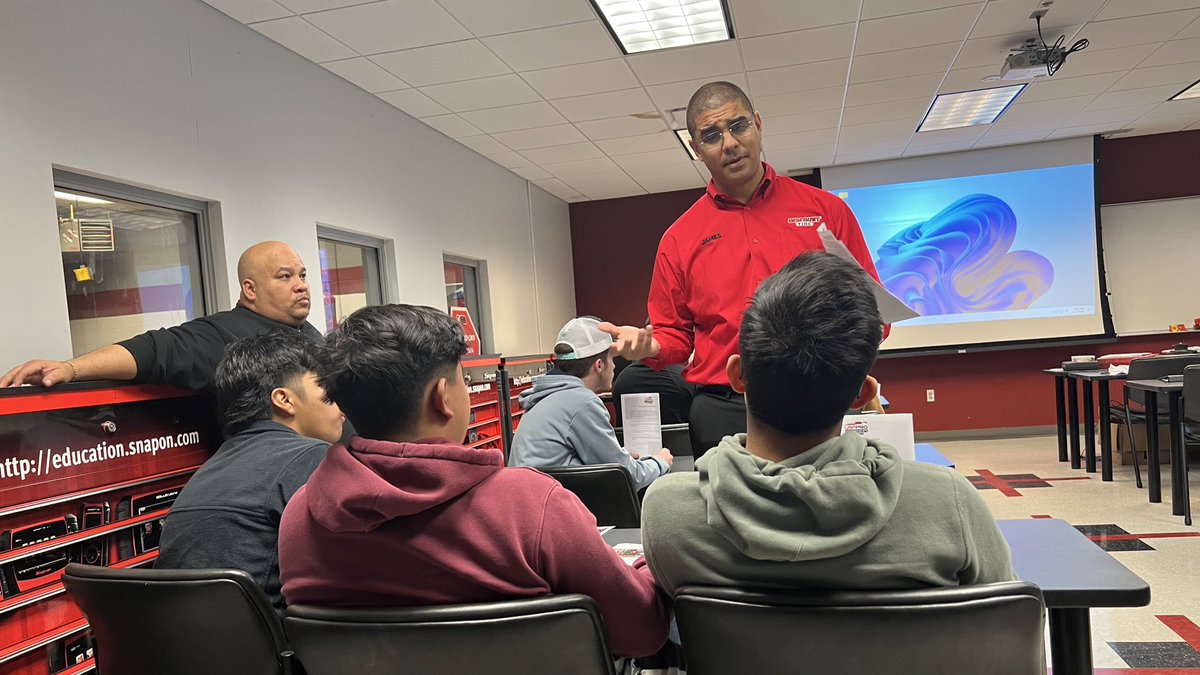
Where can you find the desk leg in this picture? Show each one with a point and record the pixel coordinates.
(1073, 421)
(1060, 415)
(1152, 459)
(1105, 434)
(1070, 641)
(1176, 454)
(1089, 427)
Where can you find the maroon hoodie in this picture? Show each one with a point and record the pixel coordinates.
(384, 524)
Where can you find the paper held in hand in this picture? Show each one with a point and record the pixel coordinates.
(891, 309)
(643, 423)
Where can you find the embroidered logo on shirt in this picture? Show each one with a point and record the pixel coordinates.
(807, 221)
(709, 239)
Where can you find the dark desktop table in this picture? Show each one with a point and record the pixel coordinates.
(1066, 410)
(1180, 492)
(1073, 573)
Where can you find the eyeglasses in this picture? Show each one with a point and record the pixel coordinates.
(738, 128)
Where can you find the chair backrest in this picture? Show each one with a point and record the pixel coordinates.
(551, 634)
(989, 628)
(1152, 367)
(1191, 393)
(678, 439)
(605, 489)
(184, 622)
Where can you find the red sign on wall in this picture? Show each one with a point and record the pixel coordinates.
(464, 317)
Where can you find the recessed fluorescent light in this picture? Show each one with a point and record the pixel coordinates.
(968, 108)
(645, 25)
(83, 199)
(685, 138)
(1193, 91)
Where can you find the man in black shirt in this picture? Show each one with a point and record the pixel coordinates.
(278, 427)
(274, 297)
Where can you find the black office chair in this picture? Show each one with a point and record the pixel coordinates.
(678, 439)
(605, 489)
(1148, 368)
(183, 622)
(992, 628)
(551, 634)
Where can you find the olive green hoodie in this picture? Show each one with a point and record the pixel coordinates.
(847, 514)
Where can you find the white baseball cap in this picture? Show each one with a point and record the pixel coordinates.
(584, 338)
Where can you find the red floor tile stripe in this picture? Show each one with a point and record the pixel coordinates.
(995, 481)
(1152, 535)
(1144, 671)
(1066, 478)
(1183, 627)
(1041, 517)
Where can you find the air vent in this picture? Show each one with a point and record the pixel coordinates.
(86, 236)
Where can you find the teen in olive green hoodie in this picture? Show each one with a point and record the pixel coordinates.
(793, 504)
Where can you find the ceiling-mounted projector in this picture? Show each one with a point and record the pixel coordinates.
(1031, 60)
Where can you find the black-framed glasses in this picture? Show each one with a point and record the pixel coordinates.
(738, 128)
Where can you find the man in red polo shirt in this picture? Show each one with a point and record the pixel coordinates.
(747, 226)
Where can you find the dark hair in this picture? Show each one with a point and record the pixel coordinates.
(576, 367)
(714, 95)
(252, 368)
(379, 361)
(808, 340)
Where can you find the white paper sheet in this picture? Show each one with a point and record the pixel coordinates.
(891, 309)
(643, 423)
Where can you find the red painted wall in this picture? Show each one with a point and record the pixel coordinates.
(981, 390)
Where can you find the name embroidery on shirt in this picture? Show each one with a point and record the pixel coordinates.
(807, 221)
(709, 239)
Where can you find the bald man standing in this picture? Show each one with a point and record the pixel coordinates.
(274, 296)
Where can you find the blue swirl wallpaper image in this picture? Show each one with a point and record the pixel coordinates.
(996, 245)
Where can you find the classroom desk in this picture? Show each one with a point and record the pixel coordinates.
(1067, 413)
(1180, 491)
(1073, 573)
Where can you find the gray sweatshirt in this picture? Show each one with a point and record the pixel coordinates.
(566, 424)
(846, 514)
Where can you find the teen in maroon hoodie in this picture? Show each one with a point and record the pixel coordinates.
(403, 516)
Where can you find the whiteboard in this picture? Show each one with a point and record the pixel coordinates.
(1152, 258)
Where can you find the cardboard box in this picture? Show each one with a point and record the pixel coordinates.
(1122, 453)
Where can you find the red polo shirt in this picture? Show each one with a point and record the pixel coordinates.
(712, 259)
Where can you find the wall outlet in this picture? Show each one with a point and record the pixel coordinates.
(929, 396)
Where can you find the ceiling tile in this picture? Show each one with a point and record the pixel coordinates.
(634, 144)
(1137, 30)
(599, 106)
(526, 139)
(1177, 73)
(894, 144)
(557, 46)
(1175, 51)
(531, 172)
(642, 160)
(413, 102)
(899, 89)
(1046, 88)
(1058, 108)
(490, 92)
(485, 145)
(1119, 10)
(686, 63)
(617, 127)
(1109, 115)
(559, 189)
(911, 109)
(889, 129)
(944, 137)
(451, 125)
(971, 79)
(514, 117)
(991, 137)
(1088, 130)
(800, 139)
(1128, 97)
(488, 17)
(390, 25)
(1005, 126)
(580, 79)
(936, 149)
(678, 175)
(677, 94)
(907, 31)
(580, 167)
(867, 156)
(1012, 16)
(365, 74)
(786, 161)
(563, 153)
(608, 185)
(1162, 125)
(249, 11)
(437, 64)
(765, 18)
(1094, 61)
(304, 6)
(299, 36)
(799, 102)
(805, 46)
(917, 61)
(875, 9)
(1192, 31)
(786, 124)
(507, 158)
(788, 79)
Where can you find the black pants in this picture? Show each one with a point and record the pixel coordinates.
(717, 412)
